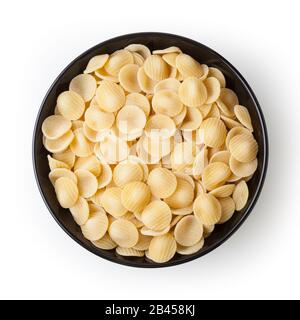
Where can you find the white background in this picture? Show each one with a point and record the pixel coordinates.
(39, 38)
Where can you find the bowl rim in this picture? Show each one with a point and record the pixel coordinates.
(248, 210)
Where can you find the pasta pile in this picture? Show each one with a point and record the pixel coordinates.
(149, 152)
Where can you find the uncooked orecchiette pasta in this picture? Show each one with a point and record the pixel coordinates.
(150, 151)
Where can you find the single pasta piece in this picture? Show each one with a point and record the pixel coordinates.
(162, 182)
(208, 209)
(135, 196)
(124, 233)
(162, 248)
(157, 215)
(66, 192)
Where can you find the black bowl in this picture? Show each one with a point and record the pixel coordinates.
(154, 41)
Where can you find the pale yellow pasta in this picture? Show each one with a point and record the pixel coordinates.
(188, 66)
(155, 147)
(208, 209)
(111, 202)
(213, 89)
(230, 123)
(96, 63)
(105, 243)
(193, 136)
(80, 211)
(200, 162)
(87, 183)
(192, 120)
(103, 75)
(208, 230)
(135, 196)
(243, 116)
(160, 125)
(223, 191)
(71, 105)
(162, 248)
(234, 132)
(131, 120)
(205, 71)
(214, 112)
(55, 127)
(67, 156)
(55, 164)
(128, 78)
(192, 92)
(227, 209)
(90, 163)
(178, 119)
(149, 152)
(142, 164)
(156, 215)
(152, 233)
(76, 124)
(117, 60)
(170, 58)
(110, 96)
(162, 182)
(89, 133)
(156, 68)
(138, 59)
(224, 110)
(214, 132)
(126, 172)
(216, 73)
(105, 177)
(98, 119)
(183, 155)
(183, 195)
(139, 48)
(243, 147)
(188, 231)
(190, 250)
(146, 83)
(242, 169)
(96, 226)
(80, 145)
(59, 145)
(143, 243)
(220, 156)
(167, 84)
(137, 222)
(215, 175)
(175, 220)
(139, 100)
(167, 102)
(240, 195)
(94, 207)
(228, 97)
(199, 188)
(183, 211)
(205, 110)
(124, 233)
(167, 50)
(185, 177)
(97, 197)
(66, 192)
(85, 85)
(114, 150)
(129, 252)
(61, 172)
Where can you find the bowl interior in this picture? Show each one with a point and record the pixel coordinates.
(153, 41)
